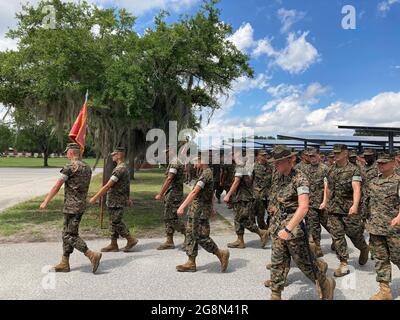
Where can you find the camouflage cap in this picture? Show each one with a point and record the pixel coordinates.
(119, 149)
(352, 154)
(311, 152)
(281, 152)
(73, 146)
(331, 154)
(386, 158)
(262, 152)
(369, 152)
(338, 148)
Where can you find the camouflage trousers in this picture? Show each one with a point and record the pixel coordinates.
(117, 226)
(341, 226)
(171, 219)
(244, 217)
(315, 219)
(198, 233)
(385, 249)
(70, 235)
(282, 253)
(259, 213)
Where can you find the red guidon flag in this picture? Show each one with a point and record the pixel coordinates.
(78, 131)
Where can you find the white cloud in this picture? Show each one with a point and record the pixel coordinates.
(289, 17)
(243, 37)
(298, 55)
(385, 6)
(295, 58)
(264, 47)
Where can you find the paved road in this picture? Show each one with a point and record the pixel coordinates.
(21, 184)
(149, 274)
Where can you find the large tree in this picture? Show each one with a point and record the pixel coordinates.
(135, 82)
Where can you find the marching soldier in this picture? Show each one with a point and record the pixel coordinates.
(384, 224)
(304, 164)
(172, 192)
(289, 235)
(243, 205)
(353, 157)
(369, 172)
(118, 198)
(76, 177)
(330, 159)
(261, 185)
(344, 193)
(200, 202)
(317, 174)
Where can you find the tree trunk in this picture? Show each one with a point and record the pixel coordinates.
(45, 158)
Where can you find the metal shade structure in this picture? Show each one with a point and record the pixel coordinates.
(389, 131)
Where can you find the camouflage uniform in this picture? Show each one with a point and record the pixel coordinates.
(198, 226)
(340, 223)
(384, 239)
(261, 186)
(117, 198)
(368, 173)
(216, 170)
(173, 198)
(317, 176)
(76, 177)
(243, 203)
(302, 166)
(288, 188)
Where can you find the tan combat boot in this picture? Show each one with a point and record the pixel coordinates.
(223, 256)
(189, 266)
(238, 244)
(385, 293)
(328, 289)
(318, 250)
(94, 258)
(342, 270)
(269, 266)
(63, 266)
(268, 283)
(264, 234)
(132, 241)
(112, 247)
(168, 244)
(276, 295)
(363, 258)
(322, 266)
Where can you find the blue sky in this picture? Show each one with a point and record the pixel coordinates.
(310, 73)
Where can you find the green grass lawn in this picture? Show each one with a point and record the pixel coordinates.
(38, 162)
(25, 222)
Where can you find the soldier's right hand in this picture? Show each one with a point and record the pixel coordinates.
(158, 197)
(43, 205)
(226, 199)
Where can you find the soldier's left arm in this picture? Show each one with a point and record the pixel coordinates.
(396, 221)
(356, 184)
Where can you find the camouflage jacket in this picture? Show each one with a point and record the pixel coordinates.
(317, 176)
(229, 173)
(76, 177)
(302, 166)
(216, 170)
(288, 188)
(245, 189)
(174, 191)
(368, 173)
(201, 206)
(340, 181)
(118, 195)
(262, 180)
(384, 205)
